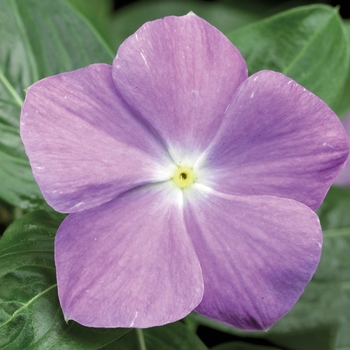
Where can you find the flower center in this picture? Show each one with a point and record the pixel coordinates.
(183, 177)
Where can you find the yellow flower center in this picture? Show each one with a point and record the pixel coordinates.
(183, 177)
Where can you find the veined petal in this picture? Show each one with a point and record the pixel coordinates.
(179, 74)
(277, 139)
(84, 144)
(129, 262)
(257, 254)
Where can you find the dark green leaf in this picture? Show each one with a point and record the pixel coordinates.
(99, 14)
(59, 38)
(344, 106)
(127, 342)
(37, 39)
(308, 44)
(242, 346)
(334, 211)
(224, 17)
(30, 314)
(173, 336)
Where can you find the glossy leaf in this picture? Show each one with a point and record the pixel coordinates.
(308, 44)
(169, 337)
(334, 211)
(344, 106)
(30, 314)
(242, 346)
(172, 336)
(128, 341)
(37, 39)
(99, 14)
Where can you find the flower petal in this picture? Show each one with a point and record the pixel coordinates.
(344, 177)
(129, 262)
(179, 74)
(277, 139)
(84, 144)
(257, 254)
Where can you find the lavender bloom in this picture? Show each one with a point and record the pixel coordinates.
(344, 177)
(189, 185)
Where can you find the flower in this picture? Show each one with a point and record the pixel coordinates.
(344, 177)
(189, 185)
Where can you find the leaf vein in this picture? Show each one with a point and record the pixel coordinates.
(305, 48)
(10, 89)
(31, 301)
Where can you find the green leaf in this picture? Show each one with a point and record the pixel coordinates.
(99, 14)
(242, 346)
(344, 106)
(127, 342)
(172, 336)
(308, 44)
(30, 314)
(320, 320)
(37, 39)
(224, 17)
(334, 211)
(17, 183)
(169, 337)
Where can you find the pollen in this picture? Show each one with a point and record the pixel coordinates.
(183, 177)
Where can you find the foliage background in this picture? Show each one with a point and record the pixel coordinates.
(87, 31)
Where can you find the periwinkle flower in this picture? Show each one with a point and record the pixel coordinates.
(189, 186)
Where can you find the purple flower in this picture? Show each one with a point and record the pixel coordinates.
(344, 177)
(189, 185)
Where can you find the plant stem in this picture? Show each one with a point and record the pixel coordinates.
(141, 339)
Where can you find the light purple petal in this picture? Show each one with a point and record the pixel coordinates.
(277, 139)
(179, 74)
(257, 254)
(84, 144)
(344, 177)
(129, 262)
